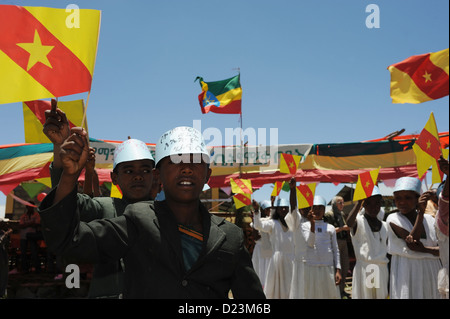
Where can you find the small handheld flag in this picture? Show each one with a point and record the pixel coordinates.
(241, 186)
(364, 186)
(242, 200)
(305, 195)
(289, 163)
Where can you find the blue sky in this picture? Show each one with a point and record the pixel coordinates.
(312, 69)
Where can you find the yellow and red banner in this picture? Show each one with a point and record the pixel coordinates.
(428, 149)
(241, 186)
(277, 187)
(420, 78)
(305, 195)
(364, 186)
(34, 117)
(242, 200)
(42, 55)
(289, 163)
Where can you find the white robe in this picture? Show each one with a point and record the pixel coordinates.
(294, 221)
(321, 260)
(370, 275)
(413, 274)
(262, 252)
(279, 272)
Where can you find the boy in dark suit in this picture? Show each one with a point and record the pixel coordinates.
(171, 249)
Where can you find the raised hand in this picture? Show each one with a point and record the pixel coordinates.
(56, 126)
(75, 151)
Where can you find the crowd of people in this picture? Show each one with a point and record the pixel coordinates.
(303, 253)
(159, 241)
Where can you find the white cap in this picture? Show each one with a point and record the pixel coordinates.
(282, 202)
(408, 184)
(376, 191)
(265, 204)
(319, 201)
(181, 140)
(131, 150)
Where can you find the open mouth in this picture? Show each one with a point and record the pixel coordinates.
(185, 183)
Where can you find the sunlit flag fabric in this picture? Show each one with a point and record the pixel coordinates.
(364, 186)
(242, 200)
(289, 163)
(305, 195)
(221, 96)
(241, 186)
(420, 78)
(277, 187)
(427, 149)
(34, 117)
(44, 54)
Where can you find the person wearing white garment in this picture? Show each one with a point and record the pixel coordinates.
(412, 242)
(279, 272)
(262, 252)
(294, 220)
(369, 238)
(322, 265)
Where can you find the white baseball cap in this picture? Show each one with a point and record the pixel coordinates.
(131, 150)
(181, 140)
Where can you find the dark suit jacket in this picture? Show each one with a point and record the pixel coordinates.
(148, 240)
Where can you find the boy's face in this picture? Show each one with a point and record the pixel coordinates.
(183, 180)
(372, 205)
(318, 211)
(135, 179)
(406, 201)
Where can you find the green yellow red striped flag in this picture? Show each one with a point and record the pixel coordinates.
(43, 54)
(420, 78)
(221, 96)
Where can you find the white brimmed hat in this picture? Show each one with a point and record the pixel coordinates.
(376, 191)
(319, 201)
(408, 184)
(181, 140)
(131, 150)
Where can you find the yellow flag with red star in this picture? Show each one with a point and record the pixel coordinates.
(46, 52)
(289, 163)
(305, 195)
(364, 186)
(241, 186)
(242, 200)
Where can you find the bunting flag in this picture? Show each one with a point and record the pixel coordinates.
(241, 186)
(277, 187)
(420, 78)
(305, 195)
(221, 96)
(289, 163)
(242, 200)
(365, 184)
(427, 149)
(34, 117)
(45, 53)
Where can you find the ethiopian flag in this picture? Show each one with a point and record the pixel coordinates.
(46, 52)
(420, 78)
(305, 195)
(242, 200)
(221, 96)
